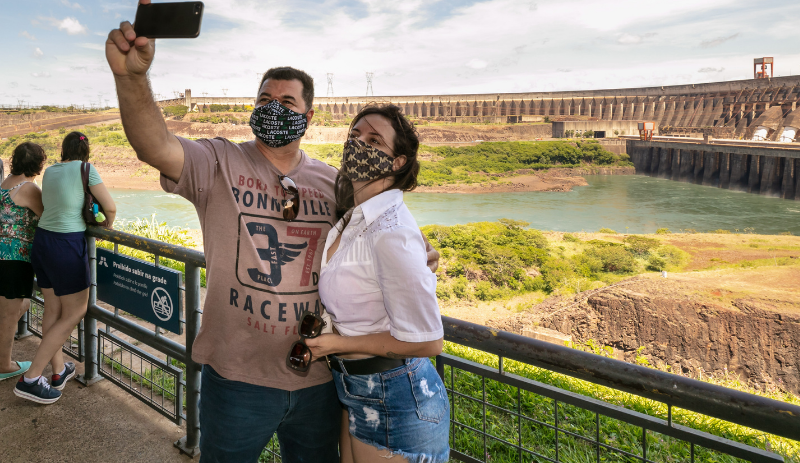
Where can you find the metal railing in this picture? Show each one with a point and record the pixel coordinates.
(519, 419)
(156, 381)
(495, 415)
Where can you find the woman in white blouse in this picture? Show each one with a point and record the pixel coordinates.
(381, 297)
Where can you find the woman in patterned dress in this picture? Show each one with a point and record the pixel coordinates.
(20, 209)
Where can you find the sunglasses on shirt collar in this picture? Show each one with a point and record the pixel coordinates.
(291, 206)
(310, 326)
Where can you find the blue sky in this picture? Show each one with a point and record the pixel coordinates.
(412, 46)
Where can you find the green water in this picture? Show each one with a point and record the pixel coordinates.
(625, 203)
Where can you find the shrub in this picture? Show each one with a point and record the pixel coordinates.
(641, 245)
(675, 257)
(485, 292)
(663, 231)
(607, 230)
(570, 238)
(461, 288)
(175, 111)
(455, 269)
(588, 134)
(615, 259)
(587, 265)
(444, 291)
(656, 263)
(556, 272)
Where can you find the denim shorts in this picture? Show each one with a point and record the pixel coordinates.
(403, 410)
(61, 261)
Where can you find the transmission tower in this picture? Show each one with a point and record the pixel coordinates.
(330, 85)
(369, 84)
(225, 92)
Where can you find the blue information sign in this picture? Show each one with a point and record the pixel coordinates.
(140, 288)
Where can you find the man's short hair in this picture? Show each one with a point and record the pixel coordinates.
(28, 160)
(289, 73)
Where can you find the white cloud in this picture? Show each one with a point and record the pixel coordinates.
(37, 52)
(72, 5)
(27, 35)
(477, 63)
(93, 46)
(717, 41)
(628, 39)
(40, 74)
(69, 25)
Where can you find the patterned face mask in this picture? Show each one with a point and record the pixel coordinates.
(276, 125)
(363, 163)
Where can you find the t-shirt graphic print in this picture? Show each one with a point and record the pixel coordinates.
(295, 245)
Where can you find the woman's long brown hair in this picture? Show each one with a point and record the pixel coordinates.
(406, 143)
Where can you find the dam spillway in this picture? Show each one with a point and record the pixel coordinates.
(732, 109)
(765, 168)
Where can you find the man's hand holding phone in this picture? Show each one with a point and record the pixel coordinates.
(127, 54)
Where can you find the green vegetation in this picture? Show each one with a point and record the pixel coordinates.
(175, 111)
(627, 437)
(469, 164)
(99, 135)
(151, 228)
(495, 260)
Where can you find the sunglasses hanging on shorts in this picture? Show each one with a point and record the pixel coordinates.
(310, 326)
(291, 206)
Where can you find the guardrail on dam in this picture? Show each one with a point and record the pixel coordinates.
(755, 167)
(739, 107)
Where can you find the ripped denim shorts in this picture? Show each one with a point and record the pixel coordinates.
(403, 410)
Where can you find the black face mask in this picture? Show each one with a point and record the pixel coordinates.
(276, 125)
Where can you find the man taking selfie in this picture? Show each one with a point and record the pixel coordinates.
(265, 210)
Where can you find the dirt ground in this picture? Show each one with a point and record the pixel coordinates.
(714, 275)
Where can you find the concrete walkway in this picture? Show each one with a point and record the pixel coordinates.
(101, 423)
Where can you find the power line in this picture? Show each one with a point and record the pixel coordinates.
(330, 85)
(369, 84)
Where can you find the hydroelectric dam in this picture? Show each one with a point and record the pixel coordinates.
(739, 134)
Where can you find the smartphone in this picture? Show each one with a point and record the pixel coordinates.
(176, 20)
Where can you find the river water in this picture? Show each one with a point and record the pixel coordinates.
(625, 203)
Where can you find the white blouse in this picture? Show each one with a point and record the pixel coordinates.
(378, 280)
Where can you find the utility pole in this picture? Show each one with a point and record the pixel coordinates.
(329, 93)
(369, 84)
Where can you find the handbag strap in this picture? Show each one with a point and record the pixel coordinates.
(85, 177)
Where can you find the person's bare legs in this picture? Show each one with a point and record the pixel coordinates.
(353, 450)
(10, 312)
(73, 308)
(52, 312)
(345, 452)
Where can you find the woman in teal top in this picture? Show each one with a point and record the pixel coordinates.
(20, 208)
(61, 262)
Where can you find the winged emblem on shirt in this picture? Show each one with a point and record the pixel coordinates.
(277, 254)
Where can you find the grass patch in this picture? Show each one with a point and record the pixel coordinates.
(621, 435)
(160, 231)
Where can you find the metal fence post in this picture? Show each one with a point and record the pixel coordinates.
(90, 360)
(190, 443)
(22, 326)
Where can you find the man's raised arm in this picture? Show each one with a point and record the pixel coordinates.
(130, 58)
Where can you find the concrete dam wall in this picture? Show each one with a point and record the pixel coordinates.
(735, 108)
(755, 167)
